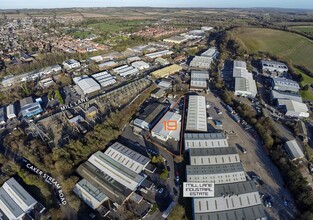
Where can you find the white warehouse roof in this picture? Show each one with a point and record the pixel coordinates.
(294, 150)
(86, 84)
(196, 117)
(294, 108)
(141, 65)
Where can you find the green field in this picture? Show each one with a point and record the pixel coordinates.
(305, 29)
(116, 26)
(287, 46)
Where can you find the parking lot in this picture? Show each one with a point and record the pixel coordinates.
(255, 159)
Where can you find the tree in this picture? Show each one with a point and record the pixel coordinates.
(164, 174)
(178, 213)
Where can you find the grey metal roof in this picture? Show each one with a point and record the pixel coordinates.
(10, 204)
(93, 191)
(294, 150)
(287, 83)
(234, 188)
(151, 112)
(204, 136)
(285, 95)
(212, 151)
(196, 115)
(247, 213)
(26, 101)
(113, 189)
(240, 64)
(214, 169)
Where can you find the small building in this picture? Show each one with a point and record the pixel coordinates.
(29, 108)
(205, 140)
(162, 61)
(196, 116)
(274, 66)
(70, 64)
(211, 52)
(293, 149)
(90, 194)
(166, 71)
(171, 129)
(96, 59)
(165, 84)
(176, 40)
(47, 82)
(2, 116)
(107, 65)
(201, 62)
(283, 84)
(157, 93)
(133, 59)
(199, 80)
(11, 111)
(293, 108)
(141, 65)
(86, 84)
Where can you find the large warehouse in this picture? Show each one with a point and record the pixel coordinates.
(196, 116)
(285, 95)
(211, 52)
(218, 174)
(86, 84)
(104, 78)
(293, 108)
(213, 156)
(283, 84)
(164, 133)
(199, 80)
(166, 71)
(205, 140)
(201, 62)
(245, 85)
(238, 200)
(274, 66)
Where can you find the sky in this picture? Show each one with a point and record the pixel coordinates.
(18, 4)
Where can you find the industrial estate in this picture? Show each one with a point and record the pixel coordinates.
(151, 113)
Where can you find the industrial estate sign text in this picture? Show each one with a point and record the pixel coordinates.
(198, 189)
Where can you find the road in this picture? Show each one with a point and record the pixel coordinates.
(257, 160)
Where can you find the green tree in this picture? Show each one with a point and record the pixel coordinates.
(178, 213)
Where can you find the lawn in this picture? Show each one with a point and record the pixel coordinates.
(307, 79)
(306, 95)
(115, 26)
(287, 46)
(305, 29)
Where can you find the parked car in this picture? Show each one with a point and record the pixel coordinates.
(160, 191)
(268, 201)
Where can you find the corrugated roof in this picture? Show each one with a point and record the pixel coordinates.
(196, 116)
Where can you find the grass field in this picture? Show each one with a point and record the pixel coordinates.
(290, 47)
(115, 26)
(308, 94)
(305, 29)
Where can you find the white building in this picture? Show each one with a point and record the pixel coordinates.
(70, 64)
(11, 111)
(218, 174)
(285, 95)
(205, 140)
(127, 157)
(176, 40)
(104, 78)
(86, 84)
(90, 194)
(201, 62)
(211, 52)
(196, 116)
(293, 108)
(116, 170)
(274, 66)
(107, 65)
(283, 84)
(245, 85)
(162, 130)
(159, 54)
(126, 70)
(213, 156)
(199, 80)
(141, 65)
(294, 150)
(96, 59)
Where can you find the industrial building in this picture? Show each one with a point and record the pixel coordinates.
(245, 85)
(283, 84)
(159, 54)
(218, 174)
(293, 108)
(196, 116)
(29, 108)
(90, 194)
(126, 70)
(162, 61)
(107, 65)
(133, 59)
(15, 201)
(285, 95)
(236, 200)
(213, 156)
(150, 116)
(96, 59)
(205, 140)
(175, 40)
(199, 80)
(166, 71)
(168, 131)
(70, 64)
(104, 79)
(141, 65)
(211, 52)
(157, 93)
(116, 170)
(165, 84)
(293, 149)
(11, 111)
(201, 62)
(2, 116)
(132, 160)
(86, 84)
(274, 66)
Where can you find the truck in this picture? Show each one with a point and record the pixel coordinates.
(229, 109)
(235, 117)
